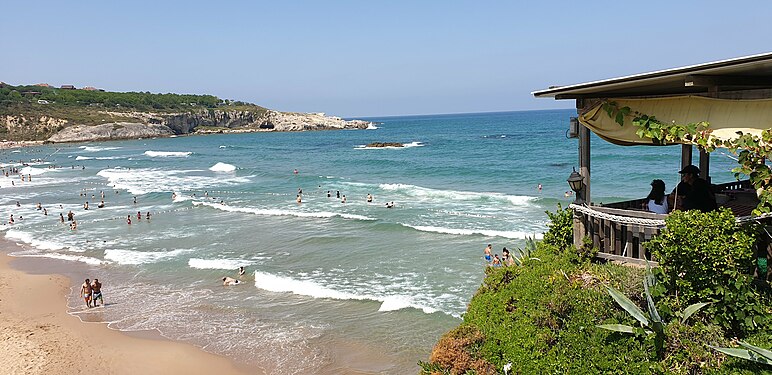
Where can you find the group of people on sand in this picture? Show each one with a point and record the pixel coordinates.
(494, 260)
(228, 281)
(692, 193)
(91, 292)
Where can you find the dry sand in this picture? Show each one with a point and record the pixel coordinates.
(37, 336)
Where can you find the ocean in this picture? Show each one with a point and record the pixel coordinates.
(330, 287)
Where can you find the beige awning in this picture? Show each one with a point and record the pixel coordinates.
(726, 117)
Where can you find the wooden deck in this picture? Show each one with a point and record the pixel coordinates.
(621, 229)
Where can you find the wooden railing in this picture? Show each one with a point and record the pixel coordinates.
(618, 234)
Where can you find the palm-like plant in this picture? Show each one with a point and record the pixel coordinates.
(651, 319)
(525, 253)
(749, 352)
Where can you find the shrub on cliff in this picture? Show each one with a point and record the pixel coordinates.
(541, 318)
(560, 233)
(706, 257)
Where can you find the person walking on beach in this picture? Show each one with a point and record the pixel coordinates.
(96, 293)
(85, 292)
(487, 253)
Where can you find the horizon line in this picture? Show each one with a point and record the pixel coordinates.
(455, 113)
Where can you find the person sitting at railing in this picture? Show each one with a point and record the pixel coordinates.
(656, 201)
(699, 195)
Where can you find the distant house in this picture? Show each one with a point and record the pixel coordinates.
(67, 87)
(90, 88)
(42, 85)
(41, 101)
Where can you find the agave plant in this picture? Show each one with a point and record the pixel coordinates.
(525, 253)
(650, 319)
(749, 352)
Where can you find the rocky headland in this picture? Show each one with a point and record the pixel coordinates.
(132, 125)
(44, 113)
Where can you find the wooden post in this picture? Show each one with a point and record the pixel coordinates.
(686, 155)
(705, 165)
(584, 162)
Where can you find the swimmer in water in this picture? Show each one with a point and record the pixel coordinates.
(227, 281)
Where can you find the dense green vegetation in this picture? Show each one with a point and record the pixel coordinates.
(542, 317)
(92, 107)
(19, 95)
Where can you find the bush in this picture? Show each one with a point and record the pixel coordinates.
(705, 257)
(561, 228)
(455, 353)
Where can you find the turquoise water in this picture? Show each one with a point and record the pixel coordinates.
(330, 287)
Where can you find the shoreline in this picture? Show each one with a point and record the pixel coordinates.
(40, 337)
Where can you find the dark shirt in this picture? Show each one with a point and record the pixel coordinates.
(699, 197)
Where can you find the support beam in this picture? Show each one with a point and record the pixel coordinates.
(584, 162)
(733, 81)
(686, 155)
(705, 165)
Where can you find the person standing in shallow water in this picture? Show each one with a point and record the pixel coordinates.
(487, 253)
(96, 293)
(85, 292)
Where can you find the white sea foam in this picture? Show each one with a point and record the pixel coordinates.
(68, 257)
(168, 154)
(33, 171)
(97, 148)
(142, 181)
(99, 157)
(418, 192)
(223, 146)
(19, 236)
(218, 264)
(141, 257)
(280, 212)
(222, 167)
(468, 232)
(282, 284)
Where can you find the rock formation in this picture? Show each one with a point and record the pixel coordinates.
(131, 125)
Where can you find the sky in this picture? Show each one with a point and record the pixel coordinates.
(368, 58)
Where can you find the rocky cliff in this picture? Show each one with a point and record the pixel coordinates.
(106, 125)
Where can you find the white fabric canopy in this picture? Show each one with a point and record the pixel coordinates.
(726, 117)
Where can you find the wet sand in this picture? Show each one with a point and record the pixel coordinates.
(37, 336)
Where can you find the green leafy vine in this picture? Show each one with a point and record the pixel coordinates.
(752, 151)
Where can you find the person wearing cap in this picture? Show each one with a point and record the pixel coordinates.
(656, 201)
(699, 196)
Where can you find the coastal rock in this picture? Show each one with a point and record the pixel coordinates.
(116, 130)
(384, 144)
(134, 124)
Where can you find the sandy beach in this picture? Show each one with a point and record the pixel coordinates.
(39, 337)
